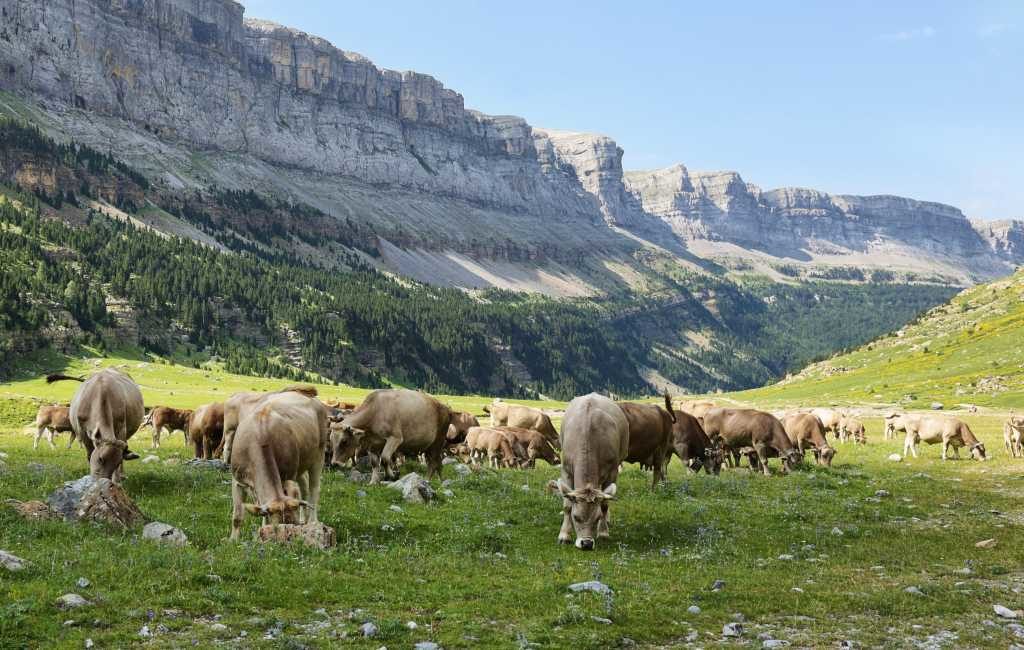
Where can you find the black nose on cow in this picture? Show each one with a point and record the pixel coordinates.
(587, 544)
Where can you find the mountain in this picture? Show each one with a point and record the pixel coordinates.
(194, 95)
(966, 351)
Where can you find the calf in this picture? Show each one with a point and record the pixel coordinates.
(529, 445)
(807, 431)
(51, 420)
(206, 429)
(594, 441)
(279, 455)
(739, 428)
(852, 428)
(492, 443)
(525, 417)
(934, 429)
(1013, 433)
(165, 417)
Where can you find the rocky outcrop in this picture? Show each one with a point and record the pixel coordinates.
(1006, 238)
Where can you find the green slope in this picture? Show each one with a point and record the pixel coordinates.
(968, 351)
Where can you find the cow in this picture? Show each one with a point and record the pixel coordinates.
(529, 445)
(805, 431)
(935, 429)
(460, 425)
(525, 417)
(650, 434)
(51, 420)
(594, 441)
(206, 429)
(895, 422)
(739, 428)
(278, 456)
(697, 408)
(390, 421)
(493, 443)
(165, 417)
(852, 428)
(238, 405)
(692, 445)
(105, 412)
(1013, 435)
(831, 419)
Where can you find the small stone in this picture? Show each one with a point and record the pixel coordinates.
(462, 469)
(1005, 612)
(394, 508)
(144, 632)
(83, 583)
(368, 630)
(172, 461)
(895, 458)
(208, 463)
(837, 531)
(732, 630)
(414, 488)
(219, 627)
(361, 494)
(774, 643)
(601, 620)
(411, 625)
(71, 601)
(739, 617)
(914, 590)
(357, 477)
(785, 557)
(12, 562)
(986, 543)
(89, 643)
(797, 590)
(693, 636)
(500, 555)
(693, 609)
(881, 494)
(448, 493)
(718, 585)
(426, 645)
(151, 459)
(164, 534)
(591, 585)
(937, 406)
(525, 487)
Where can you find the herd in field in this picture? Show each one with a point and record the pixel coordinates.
(277, 444)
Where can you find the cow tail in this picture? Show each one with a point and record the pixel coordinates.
(59, 377)
(668, 406)
(487, 410)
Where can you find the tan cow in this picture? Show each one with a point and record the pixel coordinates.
(206, 429)
(741, 428)
(529, 445)
(935, 429)
(238, 405)
(850, 428)
(395, 421)
(460, 425)
(51, 420)
(650, 434)
(165, 417)
(895, 422)
(494, 444)
(526, 417)
(692, 445)
(278, 447)
(806, 431)
(105, 412)
(831, 419)
(595, 441)
(697, 408)
(1013, 435)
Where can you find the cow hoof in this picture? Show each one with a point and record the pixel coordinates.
(564, 539)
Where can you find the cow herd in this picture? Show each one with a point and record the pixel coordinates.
(278, 443)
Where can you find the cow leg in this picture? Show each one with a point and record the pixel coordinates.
(39, 434)
(658, 468)
(237, 510)
(374, 468)
(314, 493)
(207, 447)
(762, 459)
(198, 447)
(156, 437)
(602, 525)
(387, 456)
(435, 459)
(565, 534)
(945, 448)
(908, 446)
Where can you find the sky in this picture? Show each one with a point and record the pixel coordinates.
(919, 99)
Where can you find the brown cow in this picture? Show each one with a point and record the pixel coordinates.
(494, 443)
(524, 417)
(105, 412)
(51, 420)
(739, 428)
(165, 417)
(460, 426)
(693, 446)
(206, 429)
(398, 420)
(279, 447)
(238, 405)
(595, 441)
(805, 431)
(529, 445)
(650, 433)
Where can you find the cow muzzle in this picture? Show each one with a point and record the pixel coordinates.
(585, 543)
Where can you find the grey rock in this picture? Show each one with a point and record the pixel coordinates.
(937, 406)
(12, 562)
(412, 625)
(360, 493)
(164, 534)
(83, 583)
(394, 508)
(774, 643)
(785, 557)
(914, 591)
(881, 494)
(368, 629)
(895, 458)
(426, 645)
(448, 493)
(693, 609)
(449, 460)
(151, 459)
(64, 500)
(1005, 612)
(837, 531)
(591, 585)
(71, 601)
(89, 644)
(732, 630)
(601, 620)
(414, 488)
(211, 464)
(462, 469)
(358, 477)
(718, 585)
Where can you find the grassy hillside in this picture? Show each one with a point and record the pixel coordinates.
(969, 351)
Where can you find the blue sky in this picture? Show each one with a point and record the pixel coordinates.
(921, 99)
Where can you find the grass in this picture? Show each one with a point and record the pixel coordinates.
(482, 569)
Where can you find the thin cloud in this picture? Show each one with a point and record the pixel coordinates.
(992, 30)
(926, 31)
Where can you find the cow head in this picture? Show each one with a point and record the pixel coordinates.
(107, 456)
(791, 459)
(587, 508)
(343, 445)
(825, 455)
(714, 457)
(978, 451)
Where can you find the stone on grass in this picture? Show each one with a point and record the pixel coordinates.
(1005, 612)
(64, 500)
(837, 531)
(316, 535)
(164, 534)
(774, 643)
(693, 609)
(411, 625)
(882, 493)
(71, 601)
(449, 460)
(208, 463)
(718, 585)
(448, 493)
(591, 585)
(895, 458)
(602, 620)
(358, 477)
(462, 469)
(33, 510)
(732, 629)
(151, 459)
(12, 562)
(108, 503)
(426, 645)
(986, 543)
(914, 591)
(368, 630)
(785, 557)
(83, 583)
(937, 406)
(360, 493)
(394, 508)
(414, 488)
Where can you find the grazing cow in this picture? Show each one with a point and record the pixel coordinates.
(278, 456)
(806, 431)
(697, 409)
(1013, 435)
(105, 412)
(949, 431)
(524, 417)
(595, 441)
(206, 429)
(739, 428)
(650, 434)
(895, 422)
(831, 419)
(852, 428)
(460, 425)
(529, 445)
(51, 420)
(238, 405)
(165, 417)
(493, 443)
(693, 446)
(398, 420)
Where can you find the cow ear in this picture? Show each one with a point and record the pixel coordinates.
(609, 492)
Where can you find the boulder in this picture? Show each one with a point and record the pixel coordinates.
(212, 463)
(895, 458)
(315, 535)
(12, 562)
(33, 510)
(164, 534)
(151, 459)
(937, 406)
(462, 469)
(71, 601)
(591, 585)
(414, 488)
(108, 503)
(64, 500)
